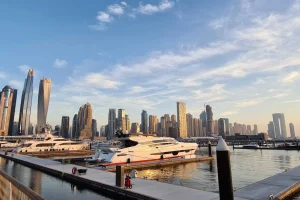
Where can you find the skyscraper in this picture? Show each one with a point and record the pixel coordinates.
(189, 125)
(279, 124)
(163, 131)
(94, 127)
(102, 131)
(231, 132)
(43, 103)
(8, 98)
(203, 118)
(121, 120)
(135, 128)
(144, 122)
(153, 124)
(65, 123)
(112, 127)
(85, 116)
(173, 120)
(222, 127)
(26, 101)
(292, 130)
(181, 119)
(255, 130)
(249, 132)
(127, 123)
(271, 130)
(74, 125)
(209, 114)
(57, 130)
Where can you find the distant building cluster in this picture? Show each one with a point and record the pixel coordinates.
(84, 126)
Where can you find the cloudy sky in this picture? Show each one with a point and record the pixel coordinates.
(239, 56)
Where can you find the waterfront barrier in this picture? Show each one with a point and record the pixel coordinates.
(12, 189)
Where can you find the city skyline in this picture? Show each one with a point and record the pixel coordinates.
(243, 71)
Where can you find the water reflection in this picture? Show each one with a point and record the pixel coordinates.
(47, 186)
(248, 166)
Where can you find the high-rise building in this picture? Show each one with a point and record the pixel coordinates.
(25, 107)
(249, 132)
(74, 126)
(102, 131)
(231, 132)
(279, 124)
(127, 123)
(57, 130)
(15, 128)
(173, 120)
(65, 123)
(107, 131)
(181, 119)
(153, 124)
(135, 128)
(8, 98)
(216, 127)
(203, 118)
(94, 127)
(201, 131)
(292, 130)
(85, 116)
(244, 129)
(112, 126)
(43, 103)
(121, 120)
(271, 130)
(222, 127)
(196, 132)
(144, 122)
(209, 119)
(255, 130)
(163, 132)
(189, 125)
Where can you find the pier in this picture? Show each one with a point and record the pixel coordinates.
(279, 186)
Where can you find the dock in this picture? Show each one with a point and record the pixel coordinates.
(295, 148)
(280, 185)
(159, 163)
(60, 154)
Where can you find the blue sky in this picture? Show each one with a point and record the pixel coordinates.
(239, 56)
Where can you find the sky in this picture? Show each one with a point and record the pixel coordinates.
(239, 56)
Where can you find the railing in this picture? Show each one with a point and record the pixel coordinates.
(11, 189)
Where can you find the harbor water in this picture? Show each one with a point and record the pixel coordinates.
(47, 186)
(248, 166)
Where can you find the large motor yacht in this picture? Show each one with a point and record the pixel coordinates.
(144, 149)
(51, 143)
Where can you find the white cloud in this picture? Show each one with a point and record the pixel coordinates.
(259, 81)
(247, 103)
(292, 101)
(291, 77)
(123, 3)
(115, 9)
(104, 17)
(280, 95)
(58, 63)
(16, 84)
(229, 113)
(2, 75)
(218, 23)
(150, 9)
(24, 68)
(98, 27)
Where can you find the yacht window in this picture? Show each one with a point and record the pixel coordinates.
(69, 143)
(122, 154)
(48, 139)
(45, 145)
(27, 145)
(130, 143)
(60, 140)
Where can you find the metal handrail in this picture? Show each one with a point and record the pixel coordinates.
(13, 189)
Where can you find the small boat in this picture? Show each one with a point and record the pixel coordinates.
(95, 158)
(252, 145)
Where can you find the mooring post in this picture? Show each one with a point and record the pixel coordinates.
(298, 145)
(119, 176)
(233, 145)
(209, 149)
(224, 171)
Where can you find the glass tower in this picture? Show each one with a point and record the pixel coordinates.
(26, 101)
(43, 103)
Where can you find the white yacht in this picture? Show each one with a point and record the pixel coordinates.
(252, 145)
(51, 143)
(144, 149)
(5, 144)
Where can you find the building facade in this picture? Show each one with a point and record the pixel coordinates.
(189, 125)
(26, 102)
(94, 128)
(279, 125)
(112, 126)
(127, 123)
(255, 129)
(8, 98)
(85, 116)
(181, 119)
(74, 125)
(43, 103)
(135, 128)
(209, 120)
(271, 130)
(153, 124)
(144, 122)
(65, 124)
(222, 127)
(292, 130)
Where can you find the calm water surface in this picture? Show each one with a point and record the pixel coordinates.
(47, 186)
(248, 166)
